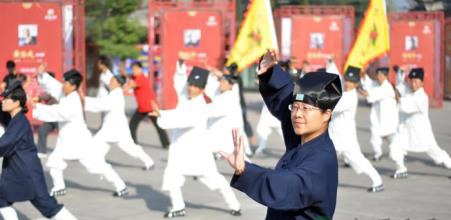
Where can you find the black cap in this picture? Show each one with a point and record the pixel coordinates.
(320, 89)
(11, 87)
(417, 73)
(198, 77)
(120, 79)
(384, 70)
(323, 70)
(352, 74)
(232, 79)
(232, 68)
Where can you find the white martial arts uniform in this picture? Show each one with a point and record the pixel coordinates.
(224, 115)
(189, 152)
(104, 82)
(415, 133)
(266, 124)
(74, 141)
(383, 117)
(342, 130)
(115, 129)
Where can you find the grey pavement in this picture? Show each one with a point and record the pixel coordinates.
(426, 194)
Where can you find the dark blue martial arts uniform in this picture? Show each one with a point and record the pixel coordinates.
(304, 183)
(22, 177)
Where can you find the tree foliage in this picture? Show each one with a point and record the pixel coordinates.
(109, 26)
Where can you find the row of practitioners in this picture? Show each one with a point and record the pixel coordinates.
(75, 142)
(307, 146)
(399, 114)
(191, 94)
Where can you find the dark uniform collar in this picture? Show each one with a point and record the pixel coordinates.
(318, 141)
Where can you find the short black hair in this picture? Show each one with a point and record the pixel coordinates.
(73, 77)
(138, 64)
(19, 94)
(104, 60)
(52, 74)
(10, 64)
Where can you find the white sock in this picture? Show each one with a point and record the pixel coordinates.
(64, 214)
(8, 213)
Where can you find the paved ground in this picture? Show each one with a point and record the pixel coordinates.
(424, 195)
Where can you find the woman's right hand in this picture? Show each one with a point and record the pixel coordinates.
(267, 61)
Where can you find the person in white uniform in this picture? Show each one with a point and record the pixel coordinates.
(105, 76)
(381, 94)
(414, 132)
(189, 151)
(115, 128)
(224, 111)
(265, 126)
(74, 140)
(342, 130)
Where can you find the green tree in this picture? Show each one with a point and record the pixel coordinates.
(108, 25)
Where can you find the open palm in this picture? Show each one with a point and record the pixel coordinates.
(236, 159)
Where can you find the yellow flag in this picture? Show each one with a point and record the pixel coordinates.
(256, 36)
(373, 40)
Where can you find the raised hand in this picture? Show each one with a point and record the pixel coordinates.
(236, 159)
(267, 61)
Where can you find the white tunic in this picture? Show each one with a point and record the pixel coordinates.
(415, 131)
(224, 115)
(115, 124)
(383, 115)
(267, 119)
(189, 153)
(74, 138)
(342, 128)
(104, 83)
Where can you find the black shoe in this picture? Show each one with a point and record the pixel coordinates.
(175, 213)
(121, 193)
(377, 157)
(57, 193)
(148, 168)
(375, 189)
(400, 175)
(235, 212)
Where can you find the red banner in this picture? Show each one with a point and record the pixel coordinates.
(315, 37)
(417, 44)
(196, 33)
(32, 35)
(448, 58)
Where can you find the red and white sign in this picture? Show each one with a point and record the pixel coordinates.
(199, 34)
(31, 35)
(313, 38)
(417, 44)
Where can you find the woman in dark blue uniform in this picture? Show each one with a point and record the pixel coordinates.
(304, 183)
(22, 177)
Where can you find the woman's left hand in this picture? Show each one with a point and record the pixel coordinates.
(236, 159)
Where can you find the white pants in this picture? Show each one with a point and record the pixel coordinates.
(214, 181)
(94, 164)
(438, 155)
(128, 146)
(263, 132)
(8, 213)
(376, 142)
(361, 165)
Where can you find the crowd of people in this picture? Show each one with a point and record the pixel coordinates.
(312, 110)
